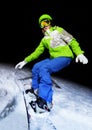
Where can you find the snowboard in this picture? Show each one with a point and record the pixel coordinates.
(41, 121)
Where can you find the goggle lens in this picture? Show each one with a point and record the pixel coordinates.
(45, 23)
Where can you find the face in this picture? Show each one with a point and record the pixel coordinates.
(45, 28)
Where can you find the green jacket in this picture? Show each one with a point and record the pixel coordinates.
(59, 43)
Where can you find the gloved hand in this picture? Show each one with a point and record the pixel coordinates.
(20, 65)
(81, 58)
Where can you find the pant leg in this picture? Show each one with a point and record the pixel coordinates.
(35, 73)
(48, 67)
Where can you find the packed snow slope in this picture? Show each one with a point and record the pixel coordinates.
(72, 104)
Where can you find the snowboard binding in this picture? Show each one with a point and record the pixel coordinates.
(39, 106)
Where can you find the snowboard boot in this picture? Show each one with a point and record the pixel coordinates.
(40, 105)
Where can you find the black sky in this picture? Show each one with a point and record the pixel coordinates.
(21, 34)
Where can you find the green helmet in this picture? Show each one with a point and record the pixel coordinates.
(43, 17)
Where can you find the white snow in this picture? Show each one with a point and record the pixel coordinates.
(72, 105)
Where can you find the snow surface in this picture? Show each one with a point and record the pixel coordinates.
(72, 104)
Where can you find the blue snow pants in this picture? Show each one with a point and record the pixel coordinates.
(41, 75)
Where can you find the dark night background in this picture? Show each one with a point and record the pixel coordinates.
(21, 34)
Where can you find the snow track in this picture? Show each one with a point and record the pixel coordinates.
(7, 106)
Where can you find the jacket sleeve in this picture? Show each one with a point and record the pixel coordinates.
(75, 47)
(38, 51)
(72, 42)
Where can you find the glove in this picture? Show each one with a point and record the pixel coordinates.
(20, 65)
(81, 58)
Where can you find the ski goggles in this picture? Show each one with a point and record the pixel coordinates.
(45, 23)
